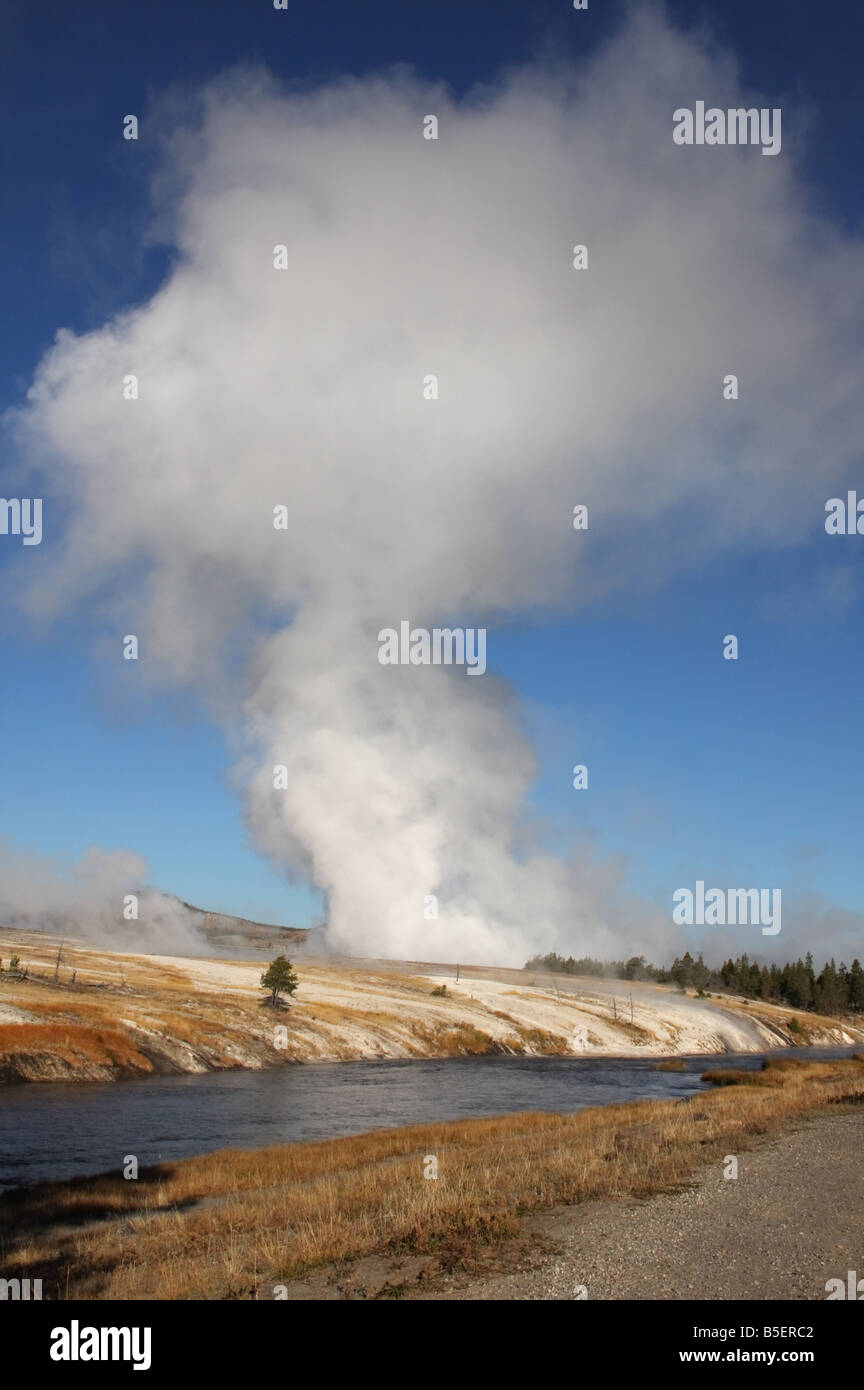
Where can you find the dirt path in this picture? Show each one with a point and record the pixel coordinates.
(793, 1219)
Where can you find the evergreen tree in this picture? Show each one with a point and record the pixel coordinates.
(855, 998)
(279, 978)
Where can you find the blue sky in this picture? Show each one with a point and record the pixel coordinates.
(754, 766)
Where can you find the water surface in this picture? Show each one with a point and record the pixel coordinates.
(64, 1129)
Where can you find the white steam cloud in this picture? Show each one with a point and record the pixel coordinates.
(86, 898)
(303, 387)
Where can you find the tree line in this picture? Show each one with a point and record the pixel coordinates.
(836, 989)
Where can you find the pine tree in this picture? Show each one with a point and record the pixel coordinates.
(855, 997)
(279, 978)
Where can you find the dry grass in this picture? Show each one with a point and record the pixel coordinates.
(68, 1007)
(539, 1040)
(92, 1029)
(634, 1031)
(464, 1039)
(810, 1028)
(211, 1226)
(72, 1043)
(345, 1014)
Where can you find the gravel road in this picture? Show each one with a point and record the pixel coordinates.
(792, 1219)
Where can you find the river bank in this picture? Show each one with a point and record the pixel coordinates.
(750, 1238)
(418, 1210)
(100, 1015)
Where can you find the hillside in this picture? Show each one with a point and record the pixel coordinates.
(230, 934)
(110, 1014)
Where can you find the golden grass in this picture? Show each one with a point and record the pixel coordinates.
(221, 1029)
(811, 1027)
(71, 1007)
(634, 1031)
(210, 1226)
(464, 1039)
(728, 1076)
(539, 1040)
(344, 1013)
(71, 1042)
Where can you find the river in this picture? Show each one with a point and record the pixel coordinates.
(58, 1131)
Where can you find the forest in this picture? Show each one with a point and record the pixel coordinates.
(835, 989)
